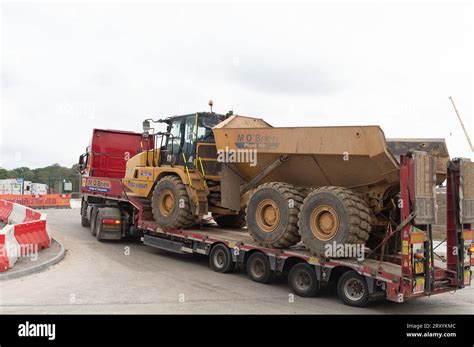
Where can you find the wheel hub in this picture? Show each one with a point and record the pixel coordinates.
(354, 289)
(303, 280)
(166, 202)
(268, 215)
(220, 259)
(324, 222)
(258, 268)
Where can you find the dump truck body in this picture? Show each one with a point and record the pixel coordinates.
(355, 157)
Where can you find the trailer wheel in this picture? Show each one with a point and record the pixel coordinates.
(94, 221)
(220, 259)
(258, 268)
(333, 214)
(352, 289)
(272, 214)
(84, 221)
(170, 203)
(302, 280)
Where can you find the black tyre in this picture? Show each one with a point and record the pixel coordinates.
(302, 280)
(170, 203)
(84, 221)
(220, 259)
(333, 214)
(98, 225)
(94, 221)
(258, 268)
(352, 289)
(231, 221)
(272, 215)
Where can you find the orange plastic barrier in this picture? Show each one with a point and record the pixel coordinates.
(36, 201)
(40, 201)
(50, 200)
(64, 200)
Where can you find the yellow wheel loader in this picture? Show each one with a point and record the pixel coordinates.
(315, 184)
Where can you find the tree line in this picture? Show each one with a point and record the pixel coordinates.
(49, 175)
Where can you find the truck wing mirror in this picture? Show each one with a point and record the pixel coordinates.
(81, 159)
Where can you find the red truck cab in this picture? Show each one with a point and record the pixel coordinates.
(108, 152)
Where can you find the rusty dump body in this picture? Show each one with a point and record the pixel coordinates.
(355, 157)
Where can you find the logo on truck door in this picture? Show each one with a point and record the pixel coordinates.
(96, 185)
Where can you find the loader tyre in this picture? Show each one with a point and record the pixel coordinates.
(272, 215)
(333, 214)
(231, 220)
(170, 203)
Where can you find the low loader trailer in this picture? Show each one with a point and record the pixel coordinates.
(399, 264)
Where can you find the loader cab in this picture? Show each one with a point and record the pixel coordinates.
(184, 134)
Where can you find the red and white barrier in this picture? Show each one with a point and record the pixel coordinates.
(5, 210)
(8, 248)
(18, 214)
(24, 233)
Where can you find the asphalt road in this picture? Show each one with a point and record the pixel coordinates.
(128, 277)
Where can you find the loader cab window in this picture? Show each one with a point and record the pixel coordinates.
(190, 137)
(185, 133)
(196, 130)
(172, 153)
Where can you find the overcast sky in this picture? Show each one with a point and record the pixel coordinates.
(67, 69)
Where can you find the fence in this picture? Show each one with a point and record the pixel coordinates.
(40, 201)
